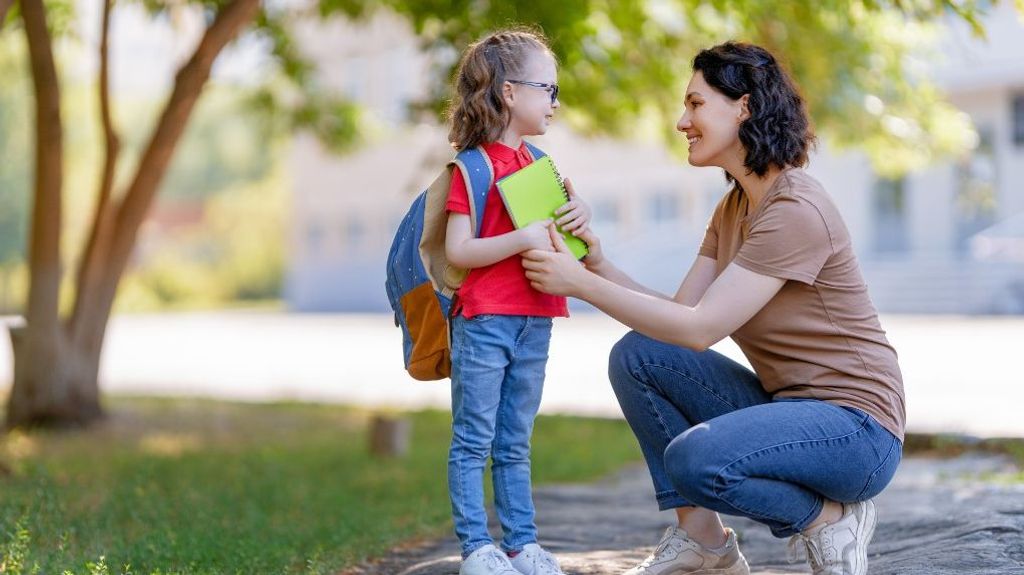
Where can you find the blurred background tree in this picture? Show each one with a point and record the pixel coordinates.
(623, 67)
(860, 63)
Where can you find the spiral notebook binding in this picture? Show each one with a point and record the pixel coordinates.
(561, 180)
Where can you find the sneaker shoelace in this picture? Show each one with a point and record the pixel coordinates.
(548, 563)
(811, 551)
(494, 561)
(660, 550)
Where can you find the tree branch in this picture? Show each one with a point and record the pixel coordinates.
(188, 86)
(93, 259)
(44, 246)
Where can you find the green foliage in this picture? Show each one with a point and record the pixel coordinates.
(236, 254)
(190, 487)
(221, 148)
(624, 64)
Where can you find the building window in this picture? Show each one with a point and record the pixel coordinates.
(890, 207)
(606, 212)
(977, 185)
(662, 207)
(1018, 119)
(314, 238)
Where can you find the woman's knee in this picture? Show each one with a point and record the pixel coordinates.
(692, 468)
(635, 351)
(625, 358)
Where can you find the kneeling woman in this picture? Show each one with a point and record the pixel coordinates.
(805, 440)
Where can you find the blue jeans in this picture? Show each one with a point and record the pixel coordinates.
(497, 377)
(713, 438)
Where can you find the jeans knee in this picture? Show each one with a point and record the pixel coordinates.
(624, 358)
(620, 357)
(691, 469)
(510, 454)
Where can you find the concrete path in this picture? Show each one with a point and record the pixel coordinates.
(962, 374)
(938, 517)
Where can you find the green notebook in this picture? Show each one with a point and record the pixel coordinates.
(533, 194)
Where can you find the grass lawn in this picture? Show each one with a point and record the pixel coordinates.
(187, 486)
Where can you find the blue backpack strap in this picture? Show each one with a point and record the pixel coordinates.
(536, 152)
(479, 174)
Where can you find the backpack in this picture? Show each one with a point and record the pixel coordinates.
(421, 284)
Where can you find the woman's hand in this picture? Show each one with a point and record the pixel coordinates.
(595, 255)
(557, 272)
(573, 216)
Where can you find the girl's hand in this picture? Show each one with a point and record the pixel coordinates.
(595, 255)
(573, 216)
(557, 272)
(536, 237)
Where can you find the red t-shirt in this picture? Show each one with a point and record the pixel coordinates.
(500, 288)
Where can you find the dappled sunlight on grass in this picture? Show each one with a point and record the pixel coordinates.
(170, 444)
(197, 486)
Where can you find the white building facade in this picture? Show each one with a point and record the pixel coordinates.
(941, 240)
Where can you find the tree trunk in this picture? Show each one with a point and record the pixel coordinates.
(52, 381)
(5, 5)
(56, 365)
(54, 385)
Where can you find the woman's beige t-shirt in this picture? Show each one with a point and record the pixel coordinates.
(819, 336)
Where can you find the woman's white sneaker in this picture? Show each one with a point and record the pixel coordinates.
(677, 554)
(840, 548)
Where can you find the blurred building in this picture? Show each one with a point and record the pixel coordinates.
(942, 240)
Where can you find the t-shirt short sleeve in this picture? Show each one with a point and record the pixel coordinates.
(709, 245)
(458, 195)
(788, 240)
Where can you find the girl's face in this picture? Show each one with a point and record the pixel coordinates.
(711, 122)
(530, 107)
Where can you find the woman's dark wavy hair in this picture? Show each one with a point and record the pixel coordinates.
(778, 132)
(478, 113)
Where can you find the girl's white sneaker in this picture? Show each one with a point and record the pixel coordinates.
(487, 560)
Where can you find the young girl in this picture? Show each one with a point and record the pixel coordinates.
(506, 88)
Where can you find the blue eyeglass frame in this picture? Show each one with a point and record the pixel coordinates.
(552, 87)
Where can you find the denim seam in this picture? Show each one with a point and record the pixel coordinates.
(507, 501)
(693, 380)
(664, 498)
(717, 488)
(657, 414)
(456, 427)
(520, 337)
(819, 504)
(874, 474)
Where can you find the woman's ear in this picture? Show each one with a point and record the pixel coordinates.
(744, 111)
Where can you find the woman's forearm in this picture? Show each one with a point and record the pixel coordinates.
(650, 313)
(607, 270)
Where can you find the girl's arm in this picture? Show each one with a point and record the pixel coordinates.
(466, 251)
(729, 302)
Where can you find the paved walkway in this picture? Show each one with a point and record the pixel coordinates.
(938, 517)
(962, 374)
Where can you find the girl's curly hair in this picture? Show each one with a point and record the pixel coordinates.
(778, 132)
(478, 113)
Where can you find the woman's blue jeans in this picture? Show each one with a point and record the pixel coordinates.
(498, 366)
(713, 438)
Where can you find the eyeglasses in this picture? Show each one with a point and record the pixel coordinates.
(551, 88)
